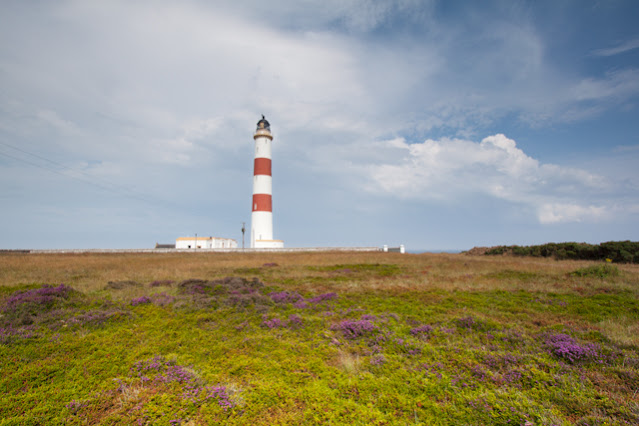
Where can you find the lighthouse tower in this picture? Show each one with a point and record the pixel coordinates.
(262, 216)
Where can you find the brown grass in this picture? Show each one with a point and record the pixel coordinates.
(448, 272)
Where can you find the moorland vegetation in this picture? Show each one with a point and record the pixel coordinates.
(317, 338)
(611, 251)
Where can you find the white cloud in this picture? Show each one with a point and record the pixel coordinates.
(558, 213)
(200, 128)
(171, 151)
(452, 170)
(167, 63)
(568, 100)
(618, 84)
(54, 120)
(621, 48)
(357, 16)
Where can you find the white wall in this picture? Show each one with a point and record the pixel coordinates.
(273, 244)
(205, 243)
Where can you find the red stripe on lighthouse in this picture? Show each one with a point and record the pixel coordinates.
(262, 166)
(262, 203)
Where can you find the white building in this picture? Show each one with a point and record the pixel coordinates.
(205, 243)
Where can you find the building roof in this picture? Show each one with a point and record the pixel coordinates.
(193, 238)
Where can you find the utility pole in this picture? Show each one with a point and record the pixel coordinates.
(243, 231)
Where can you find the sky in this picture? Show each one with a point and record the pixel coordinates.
(440, 125)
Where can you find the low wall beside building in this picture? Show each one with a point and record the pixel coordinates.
(209, 250)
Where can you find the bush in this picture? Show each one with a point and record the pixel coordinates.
(322, 297)
(617, 251)
(22, 307)
(565, 347)
(143, 300)
(285, 297)
(354, 329)
(37, 298)
(232, 285)
(601, 271)
(422, 330)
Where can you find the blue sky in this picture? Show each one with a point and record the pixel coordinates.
(440, 125)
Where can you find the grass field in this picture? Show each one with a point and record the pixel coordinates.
(317, 338)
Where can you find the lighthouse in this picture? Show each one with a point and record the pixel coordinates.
(262, 215)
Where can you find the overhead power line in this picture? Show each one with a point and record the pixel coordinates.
(85, 178)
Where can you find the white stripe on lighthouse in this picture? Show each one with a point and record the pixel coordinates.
(262, 184)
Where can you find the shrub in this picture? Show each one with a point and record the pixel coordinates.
(601, 271)
(300, 305)
(162, 299)
(223, 285)
(285, 297)
(272, 323)
(421, 330)
(239, 284)
(9, 334)
(119, 285)
(322, 298)
(194, 286)
(96, 317)
(354, 329)
(160, 283)
(500, 250)
(38, 298)
(23, 307)
(166, 372)
(251, 298)
(466, 322)
(143, 300)
(378, 360)
(617, 251)
(295, 321)
(565, 347)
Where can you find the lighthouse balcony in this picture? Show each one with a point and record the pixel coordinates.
(262, 133)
